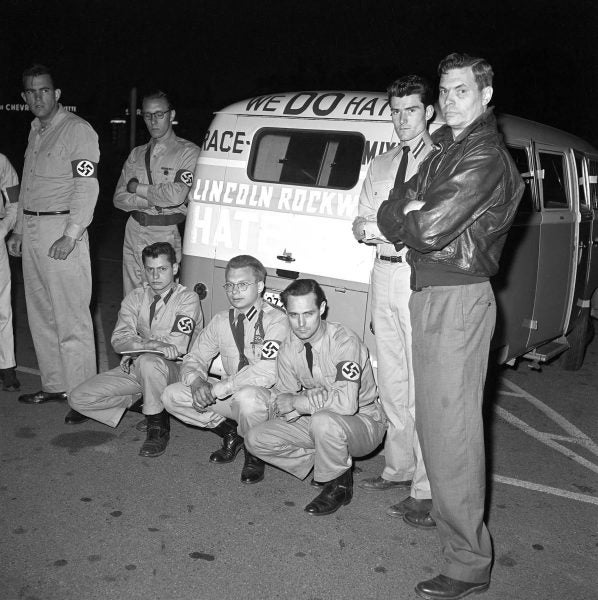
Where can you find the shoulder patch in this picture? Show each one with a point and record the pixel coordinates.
(183, 324)
(184, 176)
(270, 349)
(348, 370)
(84, 168)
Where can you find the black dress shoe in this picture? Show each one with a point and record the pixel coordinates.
(421, 520)
(40, 397)
(336, 493)
(379, 484)
(74, 418)
(442, 587)
(253, 469)
(232, 442)
(316, 484)
(409, 504)
(10, 383)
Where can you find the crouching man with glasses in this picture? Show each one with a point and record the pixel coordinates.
(153, 187)
(247, 337)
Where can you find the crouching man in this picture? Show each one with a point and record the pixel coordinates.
(159, 317)
(326, 401)
(247, 337)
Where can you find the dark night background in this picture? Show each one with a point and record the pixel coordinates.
(210, 53)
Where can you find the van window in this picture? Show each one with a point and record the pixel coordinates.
(583, 199)
(310, 158)
(553, 182)
(521, 159)
(593, 172)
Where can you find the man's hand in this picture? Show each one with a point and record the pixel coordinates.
(358, 228)
(284, 403)
(62, 247)
(317, 397)
(412, 205)
(14, 244)
(201, 392)
(125, 363)
(132, 185)
(171, 352)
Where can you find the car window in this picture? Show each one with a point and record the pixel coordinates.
(552, 180)
(521, 158)
(593, 172)
(325, 159)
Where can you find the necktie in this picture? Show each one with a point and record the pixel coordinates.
(396, 193)
(238, 330)
(309, 356)
(153, 307)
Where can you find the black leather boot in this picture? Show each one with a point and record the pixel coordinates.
(10, 383)
(158, 434)
(253, 469)
(232, 442)
(336, 493)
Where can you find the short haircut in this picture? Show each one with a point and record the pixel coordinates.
(157, 95)
(411, 84)
(38, 70)
(302, 287)
(159, 249)
(482, 71)
(246, 260)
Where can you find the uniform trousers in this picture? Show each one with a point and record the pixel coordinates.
(106, 396)
(326, 441)
(392, 326)
(452, 329)
(137, 237)
(7, 344)
(57, 293)
(248, 406)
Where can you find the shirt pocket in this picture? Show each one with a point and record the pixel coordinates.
(53, 163)
(381, 189)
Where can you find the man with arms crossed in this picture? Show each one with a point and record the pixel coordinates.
(247, 337)
(467, 194)
(160, 316)
(410, 100)
(153, 187)
(325, 398)
(59, 190)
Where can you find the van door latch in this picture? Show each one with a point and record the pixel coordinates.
(286, 256)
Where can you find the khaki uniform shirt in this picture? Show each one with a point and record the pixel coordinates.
(61, 171)
(265, 328)
(341, 365)
(176, 316)
(172, 163)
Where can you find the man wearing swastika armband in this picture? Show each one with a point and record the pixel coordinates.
(325, 407)
(153, 187)
(247, 337)
(155, 326)
(58, 194)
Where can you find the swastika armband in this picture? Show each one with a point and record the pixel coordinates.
(184, 176)
(13, 193)
(270, 349)
(183, 324)
(84, 168)
(348, 370)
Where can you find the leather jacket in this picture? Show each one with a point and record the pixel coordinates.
(471, 188)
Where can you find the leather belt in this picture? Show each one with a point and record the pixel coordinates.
(145, 219)
(45, 213)
(391, 259)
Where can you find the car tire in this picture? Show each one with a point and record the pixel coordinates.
(579, 338)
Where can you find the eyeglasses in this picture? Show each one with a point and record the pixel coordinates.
(242, 286)
(159, 115)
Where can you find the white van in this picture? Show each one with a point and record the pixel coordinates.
(279, 177)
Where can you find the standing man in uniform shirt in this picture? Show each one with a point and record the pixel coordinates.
(411, 107)
(325, 398)
(247, 337)
(159, 316)
(58, 194)
(9, 196)
(467, 194)
(153, 187)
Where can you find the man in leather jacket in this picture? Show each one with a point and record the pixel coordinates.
(455, 222)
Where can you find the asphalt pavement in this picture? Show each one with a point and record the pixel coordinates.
(84, 517)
